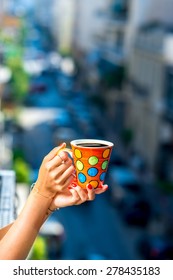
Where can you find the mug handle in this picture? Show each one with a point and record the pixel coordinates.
(68, 150)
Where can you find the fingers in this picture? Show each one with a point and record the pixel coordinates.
(79, 195)
(54, 152)
(66, 175)
(91, 192)
(63, 162)
(101, 189)
(82, 194)
(75, 199)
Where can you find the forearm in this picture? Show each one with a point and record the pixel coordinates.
(4, 230)
(20, 236)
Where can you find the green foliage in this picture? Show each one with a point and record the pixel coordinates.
(65, 52)
(23, 32)
(19, 80)
(22, 170)
(18, 153)
(39, 249)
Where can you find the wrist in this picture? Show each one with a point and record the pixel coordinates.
(35, 189)
(52, 210)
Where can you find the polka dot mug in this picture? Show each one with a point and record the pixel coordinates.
(91, 158)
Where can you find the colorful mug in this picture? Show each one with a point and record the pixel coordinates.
(91, 158)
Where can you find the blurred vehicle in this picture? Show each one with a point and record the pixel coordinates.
(155, 247)
(35, 62)
(38, 88)
(54, 60)
(68, 66)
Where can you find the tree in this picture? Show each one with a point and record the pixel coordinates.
(19, 81)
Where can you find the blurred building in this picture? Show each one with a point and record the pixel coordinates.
(63, 29)
(151, 80)
(75, 22)
(57, 17)
(89, 20)
(118, 45)
(42, 11)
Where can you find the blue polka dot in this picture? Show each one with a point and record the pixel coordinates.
(92, 171)
(102, 176)
(82, 177)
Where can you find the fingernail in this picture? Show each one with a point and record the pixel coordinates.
(90, 186)
(69, 188)
(74, 185)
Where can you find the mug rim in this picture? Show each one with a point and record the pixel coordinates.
(97, 141)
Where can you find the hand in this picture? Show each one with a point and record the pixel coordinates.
(75, 195)
(55, 173)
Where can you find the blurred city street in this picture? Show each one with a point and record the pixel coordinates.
(98, 70)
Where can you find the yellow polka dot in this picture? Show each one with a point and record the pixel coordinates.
(79, 165)
(106, 153)
(78, 153)
(94, 184)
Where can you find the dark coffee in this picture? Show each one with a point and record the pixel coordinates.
(91, 145)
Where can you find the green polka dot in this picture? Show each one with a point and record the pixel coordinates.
(79, 165)
(104, 164)
(93, 160)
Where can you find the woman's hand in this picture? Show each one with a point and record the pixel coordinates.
(75, 195)
(55, 173)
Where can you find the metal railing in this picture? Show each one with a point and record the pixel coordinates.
(7, 197)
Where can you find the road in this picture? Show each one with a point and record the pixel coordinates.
(93, 230)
